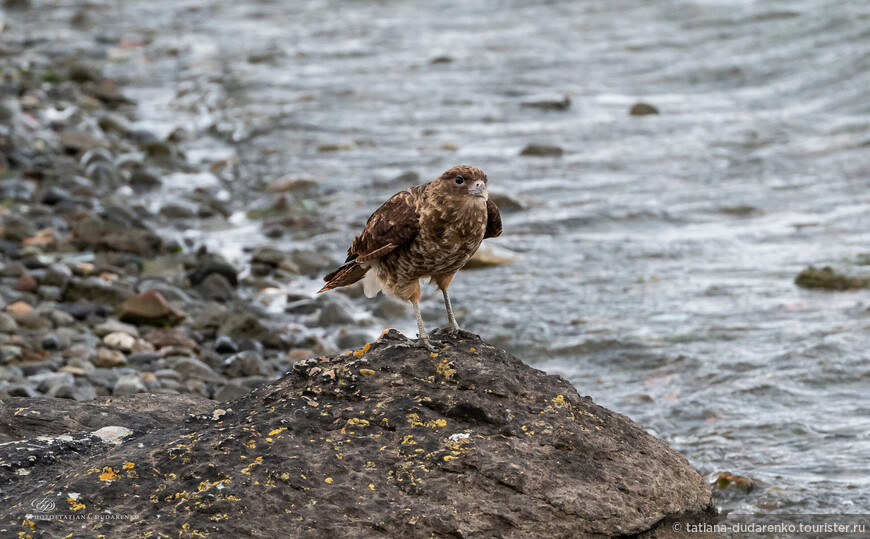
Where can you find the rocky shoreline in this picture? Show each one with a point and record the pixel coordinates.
(385, 441)
(99, 296)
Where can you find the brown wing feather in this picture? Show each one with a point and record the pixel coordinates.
(493, 220)
(393, 225)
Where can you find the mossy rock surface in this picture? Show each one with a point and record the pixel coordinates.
(386, 441)
(827, 278)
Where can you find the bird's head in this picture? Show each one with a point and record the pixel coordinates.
(463, 181)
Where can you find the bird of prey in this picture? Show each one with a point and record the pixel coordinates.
(427, 231)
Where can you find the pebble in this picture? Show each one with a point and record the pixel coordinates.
(230, 392)
(224, 345)
(189, 367)
(7, 324)
(50, 342)
(120, 339)
(128, 385)
(247, 363)
(113, 325)
(110, 358)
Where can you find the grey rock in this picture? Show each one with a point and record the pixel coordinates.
(247, 363)
(230, 392)
(105, 378)
(240, 325)
(390, 308)
(189, 367)
(50, 342)
(128, 385)
(46, 381)
(22, 390)
(77, 393)
(335, 312)
(141, 359)
(178, 210)
(351, 339)
(50, 293)
(16, 229)
(215, 287)
(112, 325)
(7, 324)
(225, 345)
(9, 352)
(515, 437)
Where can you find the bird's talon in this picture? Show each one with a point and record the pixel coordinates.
(456, 332)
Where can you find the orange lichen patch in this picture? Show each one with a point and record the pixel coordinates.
(433, 354)
(128, 466)
(472, 350)
(109, 474)
(366, 371)
(75, 505)
(363, 350)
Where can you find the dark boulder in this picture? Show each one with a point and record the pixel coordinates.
(386, 441)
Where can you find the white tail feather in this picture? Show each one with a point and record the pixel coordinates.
(371, 284)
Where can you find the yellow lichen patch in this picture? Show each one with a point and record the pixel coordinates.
(366, 371)
(74, 504)
(414, 420)
(251, 444)
(358, 422)
(408, 440)
(277, 431)
(445, 369)
(433, 354)
(448, 458)
(371, 486)
(128, 466)
(247, 470)
(328, 480)
(109, 474)
(560, 402)
(285, 476)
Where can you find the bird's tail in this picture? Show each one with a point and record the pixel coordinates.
(348, 274)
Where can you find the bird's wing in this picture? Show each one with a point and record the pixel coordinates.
(394, 224)
(493, 220)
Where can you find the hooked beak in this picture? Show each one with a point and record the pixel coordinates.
(478, 189)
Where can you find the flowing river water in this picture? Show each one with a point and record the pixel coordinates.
(655, 257)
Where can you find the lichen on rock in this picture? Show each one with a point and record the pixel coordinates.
(383, 441)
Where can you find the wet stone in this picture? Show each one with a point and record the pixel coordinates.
(225, 345)
(247, 363)
(50, 342)
(128, 385)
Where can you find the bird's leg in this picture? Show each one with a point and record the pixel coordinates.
(453, 327)
(422, 339)
(451, 319)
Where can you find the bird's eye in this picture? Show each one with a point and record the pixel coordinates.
(459, 180)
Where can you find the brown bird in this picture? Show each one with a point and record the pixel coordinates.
(427, 231)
